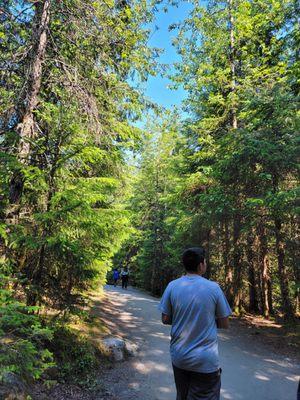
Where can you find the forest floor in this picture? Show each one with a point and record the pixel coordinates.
(280, 338)
(259, 357)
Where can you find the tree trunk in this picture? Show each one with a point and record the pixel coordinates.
(295, 254)
(36, 274)
(282, 271)
(264, 279)
(270, 295)
(264, 271)
(228, 267)
(287, 306)
(232, 61)
(236, 301)
(207, 257)
(253, 301)
(237, 267)
(26, 127)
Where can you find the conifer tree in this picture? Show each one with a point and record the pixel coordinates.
(235, 168)
(65, 121)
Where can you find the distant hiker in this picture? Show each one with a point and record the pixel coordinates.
(116, 276)
(195, 307)
(124, 278)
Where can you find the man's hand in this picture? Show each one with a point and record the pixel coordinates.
(222, 323)
(166, 319)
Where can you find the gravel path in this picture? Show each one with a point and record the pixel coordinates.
(250, 371)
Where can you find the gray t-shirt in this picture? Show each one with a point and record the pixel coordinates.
(194, 304)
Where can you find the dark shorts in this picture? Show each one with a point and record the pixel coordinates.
(124, 281)
(192, 385)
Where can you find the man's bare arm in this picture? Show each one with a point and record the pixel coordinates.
(166, 319)
(222, 323)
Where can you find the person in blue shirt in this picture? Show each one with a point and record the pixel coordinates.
(195, 307)
(116, 276)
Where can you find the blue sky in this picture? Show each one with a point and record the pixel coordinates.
(156, 87)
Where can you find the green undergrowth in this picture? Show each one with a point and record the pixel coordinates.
(22, 344)
(36, 347)
(77, 358)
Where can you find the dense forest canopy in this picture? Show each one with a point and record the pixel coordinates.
(66, 124)
(223, 176)
(66, 106)
(226, 177)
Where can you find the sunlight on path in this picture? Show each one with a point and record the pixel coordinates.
(249, 371)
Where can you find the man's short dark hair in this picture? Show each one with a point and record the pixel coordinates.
(192, 257)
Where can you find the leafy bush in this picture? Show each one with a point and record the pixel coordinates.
(22, 348)
(25, 359)
(75, 356)
(30, 346)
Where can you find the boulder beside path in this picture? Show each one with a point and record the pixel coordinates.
(119, 349)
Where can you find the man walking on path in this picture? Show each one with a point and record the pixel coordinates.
(124, 277)
(116, 277)
(195, 307)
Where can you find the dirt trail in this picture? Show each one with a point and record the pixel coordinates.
(250, 371)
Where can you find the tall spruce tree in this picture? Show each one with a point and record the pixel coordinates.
(65, 123)
(235, 167)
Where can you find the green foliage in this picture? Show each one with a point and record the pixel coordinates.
(25, 359)
(31, 345)
(77, 359)
(22, 338)
(229, 180)
(68, 220)
(65, 134)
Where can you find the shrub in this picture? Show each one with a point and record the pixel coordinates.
(76, 357)
(30, 345)
(22, 343)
